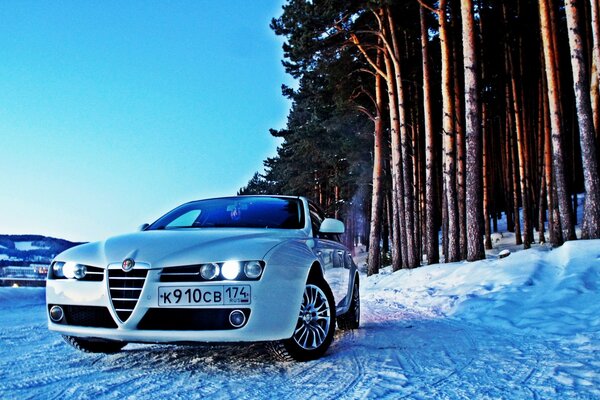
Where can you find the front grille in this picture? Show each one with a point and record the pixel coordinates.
(93, 274)
(125, 289)
(188, 273)
(90, 316)
(185, 319)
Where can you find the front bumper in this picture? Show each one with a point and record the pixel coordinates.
(272, 312)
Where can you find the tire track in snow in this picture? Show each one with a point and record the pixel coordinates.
(395, 354)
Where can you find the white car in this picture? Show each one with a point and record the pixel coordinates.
(227, 270)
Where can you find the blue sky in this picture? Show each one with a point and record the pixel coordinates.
(112, 113)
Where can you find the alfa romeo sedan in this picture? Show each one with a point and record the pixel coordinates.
(227, 270)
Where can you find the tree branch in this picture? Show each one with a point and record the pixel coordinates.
(356, 41)
(427, 6)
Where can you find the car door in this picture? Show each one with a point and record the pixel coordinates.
(332, 255)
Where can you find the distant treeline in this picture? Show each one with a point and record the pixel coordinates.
(43, 251)
(419, 116)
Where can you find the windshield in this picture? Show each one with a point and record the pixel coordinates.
(235, 212)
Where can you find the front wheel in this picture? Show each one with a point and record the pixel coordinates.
(315, 327)
(94, 346)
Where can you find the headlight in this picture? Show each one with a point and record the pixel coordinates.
(209, 271)
(230, 269)
(69, 270)
(57, 269)
(252, 269)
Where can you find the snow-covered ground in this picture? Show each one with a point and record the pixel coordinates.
(526, 326)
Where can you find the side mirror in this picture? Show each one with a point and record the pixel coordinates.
(143, 227)
(330, 225)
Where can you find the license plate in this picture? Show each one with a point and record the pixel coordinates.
(177, 296)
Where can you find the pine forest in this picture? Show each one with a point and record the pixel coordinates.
(420, 124)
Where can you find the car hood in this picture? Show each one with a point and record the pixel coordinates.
(181, 247)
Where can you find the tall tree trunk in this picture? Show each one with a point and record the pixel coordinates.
(444, 222)
(485, 133)
(564, 205)
(449, 136)
(541, 182)
(406, 157)
(399, 254)
(591, 210)
(431, 233)
(417, 177)
(520, 139)
(386, 231)
(515, 170)
(506, 172)
(486, 182)
(460, 146)
(554, 231)
(474, 200)
(595, 83)
(377, 195)
(397, 186)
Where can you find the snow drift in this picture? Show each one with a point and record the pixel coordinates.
(537, 291)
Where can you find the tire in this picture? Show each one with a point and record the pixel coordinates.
(351, 319)
(315, 328)
(94, 346)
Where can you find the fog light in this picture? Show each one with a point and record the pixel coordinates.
(252, 269)
(56, 313)
(230, 269)
(237, 318)
(209, 271)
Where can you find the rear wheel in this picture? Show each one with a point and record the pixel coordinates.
(94, 346)
(315, 327)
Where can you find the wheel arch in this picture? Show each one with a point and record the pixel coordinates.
(315, 272)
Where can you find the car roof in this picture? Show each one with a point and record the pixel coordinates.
(250, 195)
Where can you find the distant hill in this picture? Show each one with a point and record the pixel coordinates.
(27, 249)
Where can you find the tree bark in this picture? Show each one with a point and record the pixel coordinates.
(431, 233)
(460, 146)
(591, 209)
(397, 187)
(595, 82)
(511, 148)
(377, 195)
(520, 139)
(554, 231)
(474, 179)
(449, 137)
(566, 216)
(399, 256)
(406, 158)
